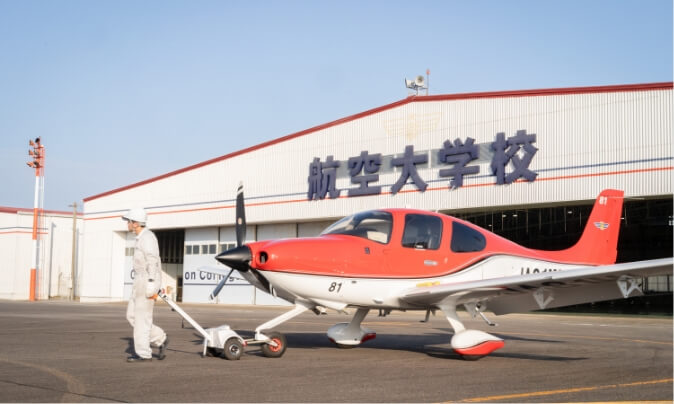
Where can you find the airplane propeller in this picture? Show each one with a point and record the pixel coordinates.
(218, 288)
(240, 217)
(239, 257)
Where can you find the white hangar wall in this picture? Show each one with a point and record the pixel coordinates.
(54, 251)
(587, 139)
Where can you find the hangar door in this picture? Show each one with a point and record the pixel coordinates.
(201, 247)
(171, 244)
(171, 254)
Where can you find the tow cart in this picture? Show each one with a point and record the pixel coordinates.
(229, 341)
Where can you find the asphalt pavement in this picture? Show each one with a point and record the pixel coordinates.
(59, 351)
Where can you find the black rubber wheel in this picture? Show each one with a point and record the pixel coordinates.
(211, 351)
(233, 349)
(345, 346)
(275, 351)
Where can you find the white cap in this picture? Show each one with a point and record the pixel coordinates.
(136, 215)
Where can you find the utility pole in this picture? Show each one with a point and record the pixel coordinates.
(72, 263)
(37, 154)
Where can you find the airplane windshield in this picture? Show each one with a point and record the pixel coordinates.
(372, 225)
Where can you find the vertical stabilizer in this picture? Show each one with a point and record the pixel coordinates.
(599, 242)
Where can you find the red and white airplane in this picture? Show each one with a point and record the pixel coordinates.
(403, 259)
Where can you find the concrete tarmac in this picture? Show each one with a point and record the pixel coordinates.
(56, 351)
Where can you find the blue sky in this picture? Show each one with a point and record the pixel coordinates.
(122, 91)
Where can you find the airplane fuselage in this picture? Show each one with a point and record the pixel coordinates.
(368, 261)
(338, 292)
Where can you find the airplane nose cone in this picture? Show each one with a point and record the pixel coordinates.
(237, 258)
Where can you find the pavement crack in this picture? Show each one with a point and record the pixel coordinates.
(65, 393)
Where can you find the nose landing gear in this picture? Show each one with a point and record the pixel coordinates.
(276, 346)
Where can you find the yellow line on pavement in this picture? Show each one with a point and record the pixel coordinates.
(563, 391)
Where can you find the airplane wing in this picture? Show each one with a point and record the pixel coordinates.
(544, 290)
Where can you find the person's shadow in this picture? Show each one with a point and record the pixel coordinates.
(129, 347)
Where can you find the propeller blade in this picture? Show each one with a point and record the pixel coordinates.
(218, 288)
(240, 217)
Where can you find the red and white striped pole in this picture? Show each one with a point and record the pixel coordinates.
(37, 153)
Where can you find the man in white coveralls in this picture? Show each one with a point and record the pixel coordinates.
(146, 284)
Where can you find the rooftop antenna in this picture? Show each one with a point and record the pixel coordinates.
(418, 83)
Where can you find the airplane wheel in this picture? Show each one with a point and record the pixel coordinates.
(233, 349)
(472, 357)
(345, 346)
(275, 351)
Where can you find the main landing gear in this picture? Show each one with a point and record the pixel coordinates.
(470, 344)
(350, 335)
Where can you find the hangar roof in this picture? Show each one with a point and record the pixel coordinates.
(408, 100)
(8, 209)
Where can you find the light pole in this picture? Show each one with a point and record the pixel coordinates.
(37, 155)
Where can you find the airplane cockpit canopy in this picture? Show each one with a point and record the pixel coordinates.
(422, 231)
(466, 239)
(373, 225)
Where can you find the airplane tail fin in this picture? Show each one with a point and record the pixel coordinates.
(599, 242)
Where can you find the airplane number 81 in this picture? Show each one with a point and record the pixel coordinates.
(335, 287)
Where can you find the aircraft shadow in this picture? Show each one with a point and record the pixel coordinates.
(514, 355)
(508, 337)
(435, 345)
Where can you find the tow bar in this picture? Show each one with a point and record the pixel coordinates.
(222, 337)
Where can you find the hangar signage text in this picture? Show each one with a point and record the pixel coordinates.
(364, 169)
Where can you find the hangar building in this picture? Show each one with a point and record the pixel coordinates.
(525, 164)
(55, 251)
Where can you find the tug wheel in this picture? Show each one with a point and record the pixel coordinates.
(277, 351)
(233, 349)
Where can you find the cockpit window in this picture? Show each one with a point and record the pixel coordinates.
(465, 239)
(422, 231)
(373, 225)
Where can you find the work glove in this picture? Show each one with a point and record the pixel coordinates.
(151, 289)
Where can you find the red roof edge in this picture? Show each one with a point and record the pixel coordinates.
(7, 209)
(411, 99)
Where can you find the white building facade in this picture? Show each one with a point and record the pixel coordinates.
(55, 273)
(454, 153)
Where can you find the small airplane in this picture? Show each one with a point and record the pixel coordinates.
(404, 259)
